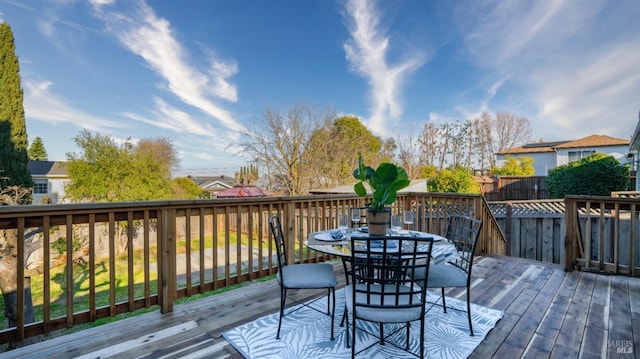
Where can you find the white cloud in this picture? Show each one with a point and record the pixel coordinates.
(575, 65)
(43, 105)
(152, 38)
(170, 118)
(601, 92)
(367, 51)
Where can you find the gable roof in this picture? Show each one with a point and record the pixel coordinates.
(47, 168)
(589, 141)
(595, 141)
(214, 182)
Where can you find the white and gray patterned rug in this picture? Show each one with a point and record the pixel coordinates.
(305, 333)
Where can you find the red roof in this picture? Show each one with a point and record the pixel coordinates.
(242, 191)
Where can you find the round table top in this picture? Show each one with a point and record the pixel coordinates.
(442, 251)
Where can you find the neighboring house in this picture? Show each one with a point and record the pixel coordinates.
(634, 152)
(547, 155)
(239, 191)
(213, 185)
(49, 179)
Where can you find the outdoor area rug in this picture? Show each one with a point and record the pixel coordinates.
(306, 333)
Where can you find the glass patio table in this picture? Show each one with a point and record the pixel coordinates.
(324, 242)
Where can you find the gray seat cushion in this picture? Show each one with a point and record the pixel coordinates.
(307, 276)
(383, 315)
(445, 275)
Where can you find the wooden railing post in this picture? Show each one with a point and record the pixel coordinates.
(168, 259)
(570, 216)
(290, 231)
(20, 281)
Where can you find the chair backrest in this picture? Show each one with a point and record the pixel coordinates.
(463, 231)
(278, 236)
(382, 273)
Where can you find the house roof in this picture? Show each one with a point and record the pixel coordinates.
(589, 141)
(242, 191)
(47, 168)
(595, 141)
(214, 182)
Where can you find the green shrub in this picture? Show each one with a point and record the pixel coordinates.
(453, 180)
(596, 175)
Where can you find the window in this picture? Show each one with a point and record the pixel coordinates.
(574, 156)
(578, 155)
(40, 186)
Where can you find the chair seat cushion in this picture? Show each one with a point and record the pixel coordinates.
(392, 314)
(445, 275)
(307, 276)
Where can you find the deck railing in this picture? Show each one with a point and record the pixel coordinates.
(97, 260)
(602, 234)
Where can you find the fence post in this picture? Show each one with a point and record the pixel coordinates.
(168, 259)
(507, 228)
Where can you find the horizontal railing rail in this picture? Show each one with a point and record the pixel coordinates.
(97, 260)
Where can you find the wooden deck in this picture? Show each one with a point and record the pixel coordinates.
(548, 313)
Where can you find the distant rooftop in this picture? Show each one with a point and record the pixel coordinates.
(589, 141)
(47, 168)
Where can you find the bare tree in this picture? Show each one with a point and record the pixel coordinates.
(483, 142)
(278, 141)
(410, 155)
(510, 131)
(506, 131)
(428, 144)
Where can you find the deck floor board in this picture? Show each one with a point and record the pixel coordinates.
(549, 313)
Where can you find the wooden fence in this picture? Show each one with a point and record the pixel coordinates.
(582, 232)
(121, 257)
(533, 229)
(603, 234)
(516, 188)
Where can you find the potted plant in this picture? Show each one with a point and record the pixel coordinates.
(385, 182)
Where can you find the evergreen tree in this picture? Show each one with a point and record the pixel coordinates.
(13, 132)
(15, 179)
(37, 152)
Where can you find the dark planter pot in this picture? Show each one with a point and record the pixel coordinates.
(378, 221)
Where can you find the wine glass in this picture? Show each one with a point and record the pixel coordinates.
(396, 224)
(343, 223)
(355, 216)
(409, 217)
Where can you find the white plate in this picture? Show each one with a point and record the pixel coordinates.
(326, 236)
(436, 238)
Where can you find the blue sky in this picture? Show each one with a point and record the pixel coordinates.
(201, 71)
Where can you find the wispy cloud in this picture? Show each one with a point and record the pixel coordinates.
(170, 118)
(367, 51)
(43, 105)
(152, 38)
(575, 65)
